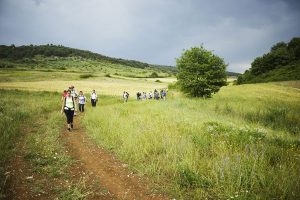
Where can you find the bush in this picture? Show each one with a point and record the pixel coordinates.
(153, 75)
(86, 76)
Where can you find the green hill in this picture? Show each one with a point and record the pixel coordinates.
(58, 57)
(282, 63)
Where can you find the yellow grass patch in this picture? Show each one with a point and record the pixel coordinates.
(107, 86)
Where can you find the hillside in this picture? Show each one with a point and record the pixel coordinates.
(282, 63)
(58, 57)
(282, 73)
(70, 59)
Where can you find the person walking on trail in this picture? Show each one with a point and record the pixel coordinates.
(125, 96)
(150, 95)
(64, 94)
(74, 94)
(144, 95)
(164, 94)
(94, 98)
(156, 95)
(81, 101)
(68, 107)
(138, 96)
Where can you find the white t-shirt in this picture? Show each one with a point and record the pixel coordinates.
(81, 99)
(94, 95)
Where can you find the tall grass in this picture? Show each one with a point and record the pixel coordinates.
(17, 111)
(243, 143)
(33, 119)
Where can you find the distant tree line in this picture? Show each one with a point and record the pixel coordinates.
(14, 53)
(280, 55)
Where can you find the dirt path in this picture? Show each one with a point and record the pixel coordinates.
(100, 166)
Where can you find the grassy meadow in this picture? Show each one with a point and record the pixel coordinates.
(243, 143)
(59, 81)
(31, 124)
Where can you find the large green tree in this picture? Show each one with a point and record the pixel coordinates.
(201, 73)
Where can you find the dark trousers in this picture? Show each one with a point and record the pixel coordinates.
(93, 101)
(69, 114)
(81, 107)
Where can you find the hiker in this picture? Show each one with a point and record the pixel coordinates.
(144, 95)
(64, 94)
(138, 96)
(150, 95)
(68, 107)
(125, 96)
(74, 94)
(94, 98)
(164, 94)
(81, 101)
(156, 94)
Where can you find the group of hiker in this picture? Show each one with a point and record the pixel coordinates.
(151, 95)
(71, 100)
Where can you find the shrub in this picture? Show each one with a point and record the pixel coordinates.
(86, 76)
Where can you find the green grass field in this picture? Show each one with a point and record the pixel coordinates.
(243, 143)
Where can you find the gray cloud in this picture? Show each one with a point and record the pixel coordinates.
(153, 31)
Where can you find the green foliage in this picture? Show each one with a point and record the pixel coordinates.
(107, 75)
(201, 73)
(288, 72)
(84, 76)
(280, 59)
(294, 48)
(154, 75)
(78, 191)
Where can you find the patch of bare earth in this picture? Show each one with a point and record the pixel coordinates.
(100, 167)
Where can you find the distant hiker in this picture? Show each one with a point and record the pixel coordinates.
(164, 94)
(94, 98)
(74, 94)
(150, 95)
(68, 107)
(138, 96)
(64, 94)
(161, 93)
(81, 101)
(156, 94)
(144, 95)
(125, 96)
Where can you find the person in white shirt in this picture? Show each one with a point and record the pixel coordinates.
(94, 98)
(68, 107)
(125, 96)
(81, 101)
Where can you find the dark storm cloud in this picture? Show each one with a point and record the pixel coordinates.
(153, 31)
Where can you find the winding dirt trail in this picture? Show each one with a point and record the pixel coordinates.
(100, 166)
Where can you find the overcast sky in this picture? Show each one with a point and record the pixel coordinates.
(153, 31)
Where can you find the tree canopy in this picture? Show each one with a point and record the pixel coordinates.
(201, 73)
(281, 54)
